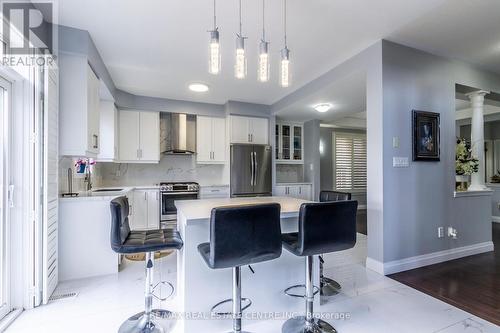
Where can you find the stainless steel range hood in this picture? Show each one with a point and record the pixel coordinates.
(178, 133)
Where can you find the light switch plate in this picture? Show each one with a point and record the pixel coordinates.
(400, 162)
(395, 142)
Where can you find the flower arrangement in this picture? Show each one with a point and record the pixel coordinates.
(82, 163)
(465, 163)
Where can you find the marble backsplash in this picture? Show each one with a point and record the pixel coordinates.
(171, 168)
(289, 173)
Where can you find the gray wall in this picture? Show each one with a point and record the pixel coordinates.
(419, 199)
(327, 169)
(311, 155)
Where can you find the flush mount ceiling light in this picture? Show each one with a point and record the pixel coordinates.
(198, 87)
(323, 107)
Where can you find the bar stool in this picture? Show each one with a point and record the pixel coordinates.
(323, 228)
(239, 236)
(125, 241)
(327, 286)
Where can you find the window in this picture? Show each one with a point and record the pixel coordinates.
(349, 158)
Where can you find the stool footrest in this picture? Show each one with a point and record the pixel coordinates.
(288, 292)
(230, 300)
(159, 284)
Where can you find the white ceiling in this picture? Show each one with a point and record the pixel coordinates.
(347, 95)
(468, 30)
(156, 47)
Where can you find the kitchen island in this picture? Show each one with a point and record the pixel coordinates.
(199, 287)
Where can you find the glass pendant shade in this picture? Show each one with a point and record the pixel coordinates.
(285, 68)
(263, 70)
(214, 58)
(240, 66)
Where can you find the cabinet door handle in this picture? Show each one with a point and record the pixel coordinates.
(137, 153)
(300, 190)
(251, 137)
(249, 140)
(145, 196)
(96, 141)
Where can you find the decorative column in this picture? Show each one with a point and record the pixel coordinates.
(477, 138)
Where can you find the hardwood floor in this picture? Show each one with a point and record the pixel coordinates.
(471, 284)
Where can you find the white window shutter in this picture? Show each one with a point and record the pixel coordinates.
(349, 161)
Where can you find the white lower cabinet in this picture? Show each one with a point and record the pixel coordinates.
(214, 192)
(299, 191)
(145, 209)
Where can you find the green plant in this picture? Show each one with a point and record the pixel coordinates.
(465, 163)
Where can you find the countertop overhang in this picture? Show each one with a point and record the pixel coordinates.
(193, 210)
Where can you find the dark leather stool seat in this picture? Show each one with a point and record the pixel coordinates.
(239, 236)
(125, 241)
(323, 228)
(150, 241)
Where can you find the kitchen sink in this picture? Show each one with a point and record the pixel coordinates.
(109, 190)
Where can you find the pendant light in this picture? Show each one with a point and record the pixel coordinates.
(263, 70)
(240, 67)
(214, 58)
(285, 56)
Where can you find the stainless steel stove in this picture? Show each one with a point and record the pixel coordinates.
(170, 192)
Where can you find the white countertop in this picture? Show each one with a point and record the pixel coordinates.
(97, 196)
(292, 184)
(201, 209)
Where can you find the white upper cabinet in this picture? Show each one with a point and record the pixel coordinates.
(289, 143)
(108, 140)
(139, 133)
(249, 130)
(210, 140)
(79, 107)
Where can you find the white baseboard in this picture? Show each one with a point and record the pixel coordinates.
(406, 264)
(495, 219)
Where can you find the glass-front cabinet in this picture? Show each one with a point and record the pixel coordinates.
(289, 143)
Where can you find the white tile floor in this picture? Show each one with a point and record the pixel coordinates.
(374, 303)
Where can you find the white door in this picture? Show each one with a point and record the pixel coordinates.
(140, 210)
(203, 139)
(50, 262)
(240, 130)
(5, 304)
(259, 130)
(149, 136)
(129, 135)
(219, 140)
(153, 209)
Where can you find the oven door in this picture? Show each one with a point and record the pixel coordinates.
(168, 209)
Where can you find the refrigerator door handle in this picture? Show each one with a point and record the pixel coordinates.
(252, 169)
(255, 166)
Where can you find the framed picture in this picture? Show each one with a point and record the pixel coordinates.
(426, 136)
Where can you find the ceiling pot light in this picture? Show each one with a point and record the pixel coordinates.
(323, 107)
(198, 87)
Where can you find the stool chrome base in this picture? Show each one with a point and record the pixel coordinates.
(161, 322)
(329, 287)
(299, 325)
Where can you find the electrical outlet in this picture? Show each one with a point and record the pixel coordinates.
(400, 162)
(440, 232)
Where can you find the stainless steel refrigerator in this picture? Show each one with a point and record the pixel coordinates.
(251, 170)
